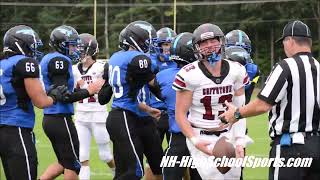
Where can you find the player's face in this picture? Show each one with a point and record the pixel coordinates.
(210, 45)
(166, 48)
(72, 49)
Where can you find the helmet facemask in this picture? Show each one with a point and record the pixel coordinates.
(213, 50)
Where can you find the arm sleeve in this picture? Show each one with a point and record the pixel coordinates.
(76, 73)
(105, 75)
(105, 94)
(27, 68)
(58, 71)
(138, 74)
(77, 95)
(275, 86)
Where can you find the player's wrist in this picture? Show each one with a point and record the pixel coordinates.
(194, 140)
(54, 99)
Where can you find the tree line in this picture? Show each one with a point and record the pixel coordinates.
(263, 22)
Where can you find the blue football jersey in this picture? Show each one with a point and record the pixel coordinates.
(12, 73)
(165, 80)
(56, 68)
(162, 65)
(252, 70)
(129, 71)
(143, 97)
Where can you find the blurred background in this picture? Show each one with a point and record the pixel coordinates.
(262, 20)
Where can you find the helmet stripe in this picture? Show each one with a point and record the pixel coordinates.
(176, 42)
(240, 37)
(169, 33)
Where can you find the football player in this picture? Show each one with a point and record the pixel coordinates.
(20, 89)
(239, 38)
(90, 116)
(129, 70)
(56, 69)
(202, 88)
(161, 57)
(182, 53)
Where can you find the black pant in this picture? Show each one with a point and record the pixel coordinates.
(311, 149)
(63, 135)
(18, 153)
(132, 137)
(177, 147)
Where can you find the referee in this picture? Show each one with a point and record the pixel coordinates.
(292, 96)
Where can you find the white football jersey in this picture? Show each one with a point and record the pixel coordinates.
(209, 93)
(88, 76)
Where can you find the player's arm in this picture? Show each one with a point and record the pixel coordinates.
(58, 72)
(155, 88)
(183, 103)
(141, 98)
(184, 96)
(28, 69)
(105, 93)
(139, 73)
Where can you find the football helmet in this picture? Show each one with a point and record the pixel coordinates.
(238, 54)
(24, 40)
(182, 51)
(141, 35)
(164, 35)
(88, 44)
(238, 38)
(63, 36)
(123, 44)
(205, 32)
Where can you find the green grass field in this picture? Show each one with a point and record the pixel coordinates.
(257, 131)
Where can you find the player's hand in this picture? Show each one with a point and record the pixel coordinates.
(155, 113)
(239, 151)
(80, 83)
(95, 87)
(204, 146)
(228, 115)
(57, 93)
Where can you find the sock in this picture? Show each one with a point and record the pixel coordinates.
(84, 173)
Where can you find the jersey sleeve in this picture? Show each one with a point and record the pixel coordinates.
(275, 86)
(242, 78)
(76, 73)
(140, 70)
(27, 68)
(58, 71)
(138, 74)
(181, 81)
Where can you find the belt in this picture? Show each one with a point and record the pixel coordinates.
(216, 133)
(206, 132)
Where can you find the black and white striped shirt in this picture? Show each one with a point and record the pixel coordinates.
(293, 88)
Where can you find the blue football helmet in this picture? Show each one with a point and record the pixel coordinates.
(238, 38)
(63, 36)
(164, 35)
(24, 40)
